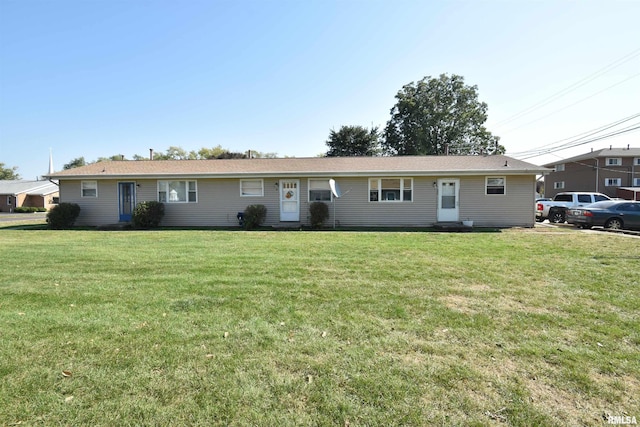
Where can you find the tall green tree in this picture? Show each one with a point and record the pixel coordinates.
(353, 141)
(75, 163)
(437, 116)
(8, 173)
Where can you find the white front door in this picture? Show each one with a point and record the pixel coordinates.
(448, 200)
(289, 200)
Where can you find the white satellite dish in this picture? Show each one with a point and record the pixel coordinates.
(335, 188)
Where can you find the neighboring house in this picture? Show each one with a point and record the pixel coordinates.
(601, 171)
(377, 191)
(23, 193)
(629, 193)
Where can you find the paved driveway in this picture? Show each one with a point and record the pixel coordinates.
(21, 217)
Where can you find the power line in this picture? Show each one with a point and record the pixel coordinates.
(631, 128)
(579, 136)
(571, 105)
(618, 62)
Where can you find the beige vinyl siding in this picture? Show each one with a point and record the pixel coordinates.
(355, 209)
(219, 201)
(513, 209)
(93, 210)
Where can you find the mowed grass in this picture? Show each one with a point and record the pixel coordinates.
(519, 327)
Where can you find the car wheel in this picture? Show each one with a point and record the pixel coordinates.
(614, 224)
(556, 216)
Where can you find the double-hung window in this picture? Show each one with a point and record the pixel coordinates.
(89, 188)
(558, 185)
(319, 190)
(251, 187)
(495, 185)
(177, 192)
(390, 189)
(613, 182)
(614, 161)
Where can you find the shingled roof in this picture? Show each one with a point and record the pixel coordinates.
(334, 166)
(606, 152)
(35, 188)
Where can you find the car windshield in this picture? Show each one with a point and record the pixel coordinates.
(601, 205)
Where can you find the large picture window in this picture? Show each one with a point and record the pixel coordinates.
(319, 190)
(89, 188)
(390, 189)
(251, 188)
(177, 192)
(495, 185)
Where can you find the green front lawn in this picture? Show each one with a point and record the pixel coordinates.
(520, 327)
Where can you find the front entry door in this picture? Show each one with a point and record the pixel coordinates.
(448, 200)
(290, 200)
(126, 197)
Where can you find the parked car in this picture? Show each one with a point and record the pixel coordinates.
(608, 214)
(555, 210)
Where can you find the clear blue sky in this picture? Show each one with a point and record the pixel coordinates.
(98, 78)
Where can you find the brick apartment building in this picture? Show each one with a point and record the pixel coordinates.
(607, 171)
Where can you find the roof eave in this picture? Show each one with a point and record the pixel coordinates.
(289, 174)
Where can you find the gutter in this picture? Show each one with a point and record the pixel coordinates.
(297, 174)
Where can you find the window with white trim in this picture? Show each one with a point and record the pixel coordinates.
(89, 188)
(636, 182)
(251, 188)
(613, 182)
(560, 167)
(177, 192)
(613, 161)
(390, 189)
(319, 190)
(495, 185)
(558, 185)
(636, 161)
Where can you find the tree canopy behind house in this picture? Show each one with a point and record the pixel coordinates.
(7, 173)
(353, 141)
(178, 153)
(439, 116)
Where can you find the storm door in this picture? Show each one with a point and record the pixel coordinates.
(448, 200)
(126, 198)
(289, 200)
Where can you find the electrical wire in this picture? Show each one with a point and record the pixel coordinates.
(574, 138)
(615, 64)
(631, 128)
(571, 105)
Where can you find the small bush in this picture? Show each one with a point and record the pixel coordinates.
(254, 216)
(63, 216)
(28, 209)
(319, 213)
(148, 214)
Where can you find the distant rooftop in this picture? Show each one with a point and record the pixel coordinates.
(21, 186)
(605, 152)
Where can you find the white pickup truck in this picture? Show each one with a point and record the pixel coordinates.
(555, 210)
